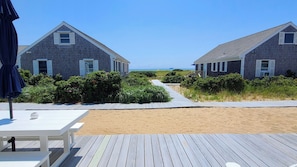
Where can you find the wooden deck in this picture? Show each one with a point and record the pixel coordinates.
(177, 150)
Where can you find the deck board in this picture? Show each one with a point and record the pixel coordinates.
(175, 150)
(164, 151)
(140, 151)
(124, 151)
(241, 149)
(148, 151)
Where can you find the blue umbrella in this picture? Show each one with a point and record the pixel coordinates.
(11, 82)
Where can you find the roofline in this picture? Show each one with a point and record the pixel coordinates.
(107, 50)
(260, 43)
(242, 56)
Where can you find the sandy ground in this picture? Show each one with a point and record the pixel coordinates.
(191, 120)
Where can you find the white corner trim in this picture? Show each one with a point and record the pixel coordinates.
(242, 62)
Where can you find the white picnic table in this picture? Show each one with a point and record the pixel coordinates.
(48, 123)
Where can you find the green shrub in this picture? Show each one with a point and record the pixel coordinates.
(69, 91)
(230, 82)
(34, 79)
(209, 84)
(58, 77)
(25, 74)
(159, 94)
(100, 87)
(37, 94)
(188, 82)
(143, 94)
(146, 73)
(233, 82)
(173, 77)
(135, 79)
(177, 70)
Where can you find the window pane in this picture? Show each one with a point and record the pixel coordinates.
(89, 67)
(65, 41)
(42, 67)
(213, 66)
(64, 38)
(64, 35)
(289, 38)
(264, 66)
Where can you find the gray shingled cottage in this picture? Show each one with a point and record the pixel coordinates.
(267, 53)
(67, 51)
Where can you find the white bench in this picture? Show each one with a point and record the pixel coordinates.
(75, 128)
(24, 159)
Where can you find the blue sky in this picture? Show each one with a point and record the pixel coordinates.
(154, 33)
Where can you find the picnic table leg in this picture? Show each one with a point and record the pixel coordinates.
(44, 147)
(67, 146)
(1, 143)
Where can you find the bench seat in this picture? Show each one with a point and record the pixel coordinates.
(75, 128)
(24, 159)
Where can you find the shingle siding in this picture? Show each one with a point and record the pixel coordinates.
(232, 67)
(265, 45)
(285, 56)
(65, 58)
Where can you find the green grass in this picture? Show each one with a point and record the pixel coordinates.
(250, 94)
(161, 73)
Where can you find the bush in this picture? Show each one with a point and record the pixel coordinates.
(209, 84)
(172, 77)
(69, 91)
(37, 94)
(230, 82)
(100, 87)
(146, 73)
(34, 79)
(26, 75)
(143, 94)
(135, 79)
(233, 82)
(188, 82)
(159, 94)
(177, 70)
(58, 77)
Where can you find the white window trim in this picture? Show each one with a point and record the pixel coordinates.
(49, 66)
(282, 38)
(57, 39)
(270, 71)
(82, 71)
(214, 67)
(221, 66)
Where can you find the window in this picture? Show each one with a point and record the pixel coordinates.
(223, 66)
(42, 66)
(214, 67)
(87, 66)
(264, 65)
(201, 67)
(64, 38)
(288, 38)
(265, 68)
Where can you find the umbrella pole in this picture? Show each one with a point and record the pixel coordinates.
(12, 140)
(10, 107)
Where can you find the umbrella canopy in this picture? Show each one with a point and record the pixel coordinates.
(11, 83)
